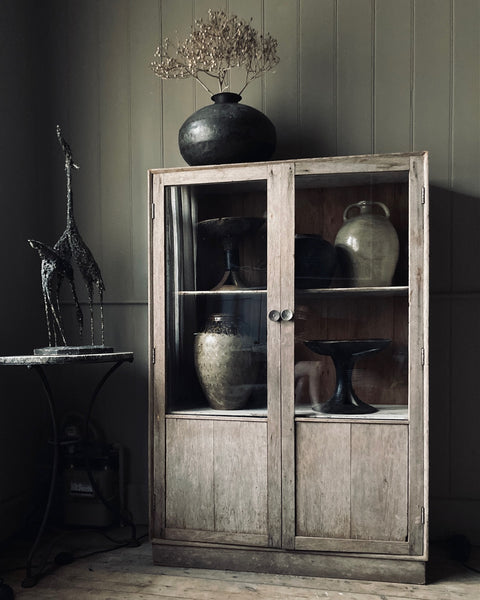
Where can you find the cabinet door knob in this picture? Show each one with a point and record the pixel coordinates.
(287, 315)
(274, 315)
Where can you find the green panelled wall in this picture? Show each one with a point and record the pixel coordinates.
(355, 76)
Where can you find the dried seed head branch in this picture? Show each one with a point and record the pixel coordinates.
(214, 48)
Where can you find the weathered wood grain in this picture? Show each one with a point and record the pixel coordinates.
(418, 352)
(240, 467)
(377, 567)
(323, 480)
(189, 482)
(216, 481)
(379, 482)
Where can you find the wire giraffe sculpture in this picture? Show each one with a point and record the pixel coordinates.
(54, 268)
(57, 265)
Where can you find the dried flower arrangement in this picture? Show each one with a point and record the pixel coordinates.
(215, 47)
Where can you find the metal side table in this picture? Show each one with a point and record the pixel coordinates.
(38, 364)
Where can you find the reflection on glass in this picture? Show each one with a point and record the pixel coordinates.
(216, 346)
(230, 230)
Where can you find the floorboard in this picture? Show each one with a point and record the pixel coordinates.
(128, 573)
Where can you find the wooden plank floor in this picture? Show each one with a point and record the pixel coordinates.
(128, 574)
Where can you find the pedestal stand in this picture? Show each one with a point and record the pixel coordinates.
(344, 353)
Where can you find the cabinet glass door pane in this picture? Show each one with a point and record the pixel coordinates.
(216, 297)
(351, 282)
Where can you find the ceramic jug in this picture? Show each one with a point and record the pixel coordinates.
(367, 245)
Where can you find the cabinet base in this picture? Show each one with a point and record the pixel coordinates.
(306, 564)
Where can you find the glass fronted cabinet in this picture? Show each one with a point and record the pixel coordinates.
(288, 319)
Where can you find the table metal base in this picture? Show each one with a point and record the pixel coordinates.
(37, 363)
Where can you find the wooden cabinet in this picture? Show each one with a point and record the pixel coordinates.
(273, 485)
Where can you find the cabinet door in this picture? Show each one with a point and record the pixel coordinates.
(356, 395)
(215, 417)
(216, 481)
(352, 487)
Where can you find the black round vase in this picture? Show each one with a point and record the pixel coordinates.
(315, 261)
(226, 132)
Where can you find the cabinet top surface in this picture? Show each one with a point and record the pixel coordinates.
(383, 161)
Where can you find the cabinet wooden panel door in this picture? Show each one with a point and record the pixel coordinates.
(351, 487)
(216, 481)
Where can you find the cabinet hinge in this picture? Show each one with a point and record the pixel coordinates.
(423, 194)
(153, 210)
(422, 515)
(153, 355)
(422, 356)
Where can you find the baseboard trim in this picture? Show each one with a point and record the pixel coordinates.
(305, 564)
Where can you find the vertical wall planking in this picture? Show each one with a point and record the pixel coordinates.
(115, 158)
(127, 396)
(248, 9)
(441, 365)
(355, 77)
(464, 413)
(432, 85)
(432, 124)
(146, 128)
(82, 131)
(201, 8)
(178, 94)
(465, 247)
(317, 97)
(466, 97)
(282, 87)
(392, 90)
(59, 110)
(465, 142)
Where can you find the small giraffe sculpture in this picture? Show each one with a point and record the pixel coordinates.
(57, 265)
(54, 269)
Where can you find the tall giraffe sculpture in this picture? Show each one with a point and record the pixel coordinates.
(57, 265)
(72, 245)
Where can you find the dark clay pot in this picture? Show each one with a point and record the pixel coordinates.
(315, 261)
(226, 132)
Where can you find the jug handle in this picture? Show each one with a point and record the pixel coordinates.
(384, 207)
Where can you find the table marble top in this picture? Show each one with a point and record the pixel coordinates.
(31, 360)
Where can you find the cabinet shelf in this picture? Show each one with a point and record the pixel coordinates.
(210, 413)
(396, 290)
(386, 412)
(239, 292)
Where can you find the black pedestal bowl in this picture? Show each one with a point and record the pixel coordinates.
(344, 353)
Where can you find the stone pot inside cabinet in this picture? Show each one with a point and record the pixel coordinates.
(367, 245)
(225, 362)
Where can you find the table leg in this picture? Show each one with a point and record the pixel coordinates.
(31, 579)
(118, 512)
